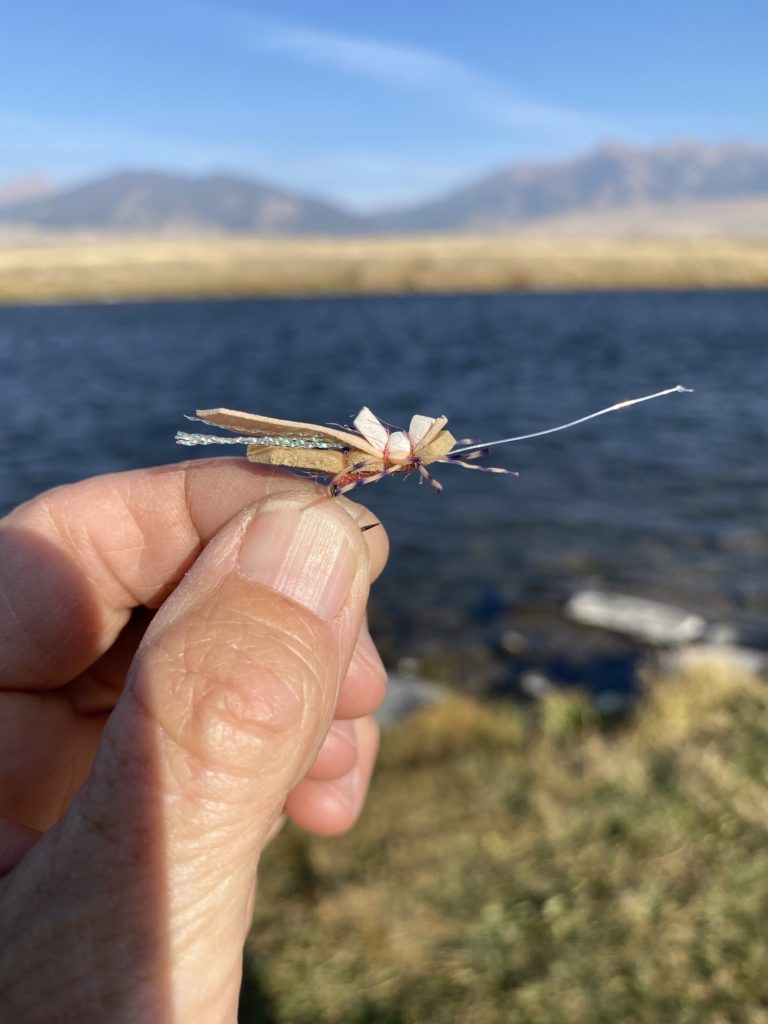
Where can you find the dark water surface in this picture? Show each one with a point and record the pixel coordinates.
(667, 500)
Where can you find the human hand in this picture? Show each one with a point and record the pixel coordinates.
(146, 759)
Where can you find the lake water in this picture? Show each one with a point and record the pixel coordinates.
(667, 500)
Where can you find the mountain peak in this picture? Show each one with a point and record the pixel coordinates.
(141, 200)
(29, 186)
(614, 177)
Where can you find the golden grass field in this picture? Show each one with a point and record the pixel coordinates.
(538, 866)
(80, 268)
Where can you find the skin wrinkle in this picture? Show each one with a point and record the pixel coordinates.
(265, 618)
(119, 763)
(208, 834)
(142, 698)
(225, 842)
(49, 898)
(130, 597)
(185, 481)
(222, 829)
(215, 850)
(207, 712)
(224, 879)
(189, 477)
(224, 718)
(115, 612)
(219, 555)
(155, 591)
(70, 531)
(45, 641)
(185, 955)
(16, 626)
(7, 608)
(190, 529)
(271, 668)
(191, 680)
(276, 768)
(63, 524)
(276, 702)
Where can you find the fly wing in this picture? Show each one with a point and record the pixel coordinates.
(372, 429)
(424, 429)
(303, 435)
(419, 428)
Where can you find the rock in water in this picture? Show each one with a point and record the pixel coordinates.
(651, 622)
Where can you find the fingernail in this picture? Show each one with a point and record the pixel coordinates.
(304, 553)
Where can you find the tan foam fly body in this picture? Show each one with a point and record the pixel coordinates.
(349, 457)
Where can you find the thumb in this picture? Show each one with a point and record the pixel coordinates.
(227, 702)
(238, 676)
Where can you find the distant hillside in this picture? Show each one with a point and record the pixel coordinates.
(141, 201)
(612, 178)
(703, 219)
(616, 190)
(31, 186)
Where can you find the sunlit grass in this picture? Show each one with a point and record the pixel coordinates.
(97, 268)
(534, 865)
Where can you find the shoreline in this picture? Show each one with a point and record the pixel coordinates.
(88, 268)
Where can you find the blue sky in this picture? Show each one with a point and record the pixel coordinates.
(369, 103)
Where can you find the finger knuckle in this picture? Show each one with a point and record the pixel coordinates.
(235, 684)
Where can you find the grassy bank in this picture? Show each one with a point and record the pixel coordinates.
(103, 269)
(536, 866)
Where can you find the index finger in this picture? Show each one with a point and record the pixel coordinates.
(75, 561)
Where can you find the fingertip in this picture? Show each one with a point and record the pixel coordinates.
(338, 754)
(329, 808)
(376, 539)
(321, 808)
(365, 683)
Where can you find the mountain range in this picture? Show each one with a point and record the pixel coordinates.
(677, 188)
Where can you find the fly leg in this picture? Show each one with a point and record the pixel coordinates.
(371, 478)
(482, 469)
(337, 484)
(355, 475)
(427, 476)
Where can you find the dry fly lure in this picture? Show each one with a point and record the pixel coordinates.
(368, 452)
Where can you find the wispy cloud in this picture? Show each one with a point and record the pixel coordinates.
(412, 69)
